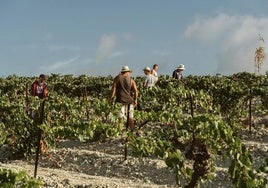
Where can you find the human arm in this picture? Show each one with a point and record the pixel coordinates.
(174, 74)
(33, 89)
(135, 90)
(45, 92)
(145, 81)
(153, 72)
(112, 93)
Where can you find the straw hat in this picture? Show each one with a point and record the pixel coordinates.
(125, 69)
(181, 67)
(147, 69)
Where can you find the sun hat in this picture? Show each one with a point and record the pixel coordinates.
(125, 69)
(181, 67)
(147, 69)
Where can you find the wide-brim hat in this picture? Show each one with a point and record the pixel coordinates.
(147, 69)
(125, 69)
(181, 67)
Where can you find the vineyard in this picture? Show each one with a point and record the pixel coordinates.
(183, 129)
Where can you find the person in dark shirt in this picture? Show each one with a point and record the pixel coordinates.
(177, 74)
(121, 90)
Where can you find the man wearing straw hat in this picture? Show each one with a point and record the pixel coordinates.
(177, 74)
(122, 87)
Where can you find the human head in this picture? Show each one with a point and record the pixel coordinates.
(42, 77)
(181, 67)
(155, 66)
(125, 69)
(147, 70)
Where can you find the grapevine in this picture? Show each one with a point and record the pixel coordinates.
(187, 124)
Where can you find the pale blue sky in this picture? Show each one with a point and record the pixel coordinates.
(98, 37)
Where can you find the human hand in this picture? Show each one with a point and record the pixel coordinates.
(135, 102)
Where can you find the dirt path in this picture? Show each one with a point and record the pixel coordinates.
(75, 164)
(82, 165)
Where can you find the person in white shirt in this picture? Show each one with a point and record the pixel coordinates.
(154, 71)
(149, 80)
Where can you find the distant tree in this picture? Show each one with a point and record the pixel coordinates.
(259, 55)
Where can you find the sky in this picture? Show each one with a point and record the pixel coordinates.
(98, 37)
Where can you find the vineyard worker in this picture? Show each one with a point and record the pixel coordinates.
(149, 79)
(177, 74)
(39, 87)
(122, 87)
(154, 71)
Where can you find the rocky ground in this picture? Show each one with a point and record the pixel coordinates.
(82, 165)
